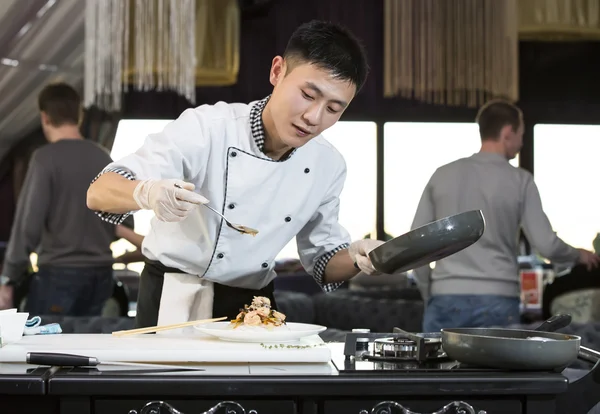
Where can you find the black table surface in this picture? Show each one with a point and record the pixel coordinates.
(107, 387)
(23, 379)
(307, 380)
(271, 380)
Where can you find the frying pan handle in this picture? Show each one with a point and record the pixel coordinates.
(554, 323)
(583, 394)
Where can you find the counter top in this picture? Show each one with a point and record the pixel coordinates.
(299, 388)
(269, 379)
(296, 379)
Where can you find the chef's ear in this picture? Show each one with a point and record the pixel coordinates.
(277, 70)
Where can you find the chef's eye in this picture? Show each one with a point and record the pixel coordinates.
(307, 96)
(333, 111)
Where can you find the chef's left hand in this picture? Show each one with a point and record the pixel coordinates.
(359, 253)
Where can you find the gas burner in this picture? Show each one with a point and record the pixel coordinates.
(394, 347)
(398, 351)
(404, 349)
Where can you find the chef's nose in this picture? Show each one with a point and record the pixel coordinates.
(313, 115)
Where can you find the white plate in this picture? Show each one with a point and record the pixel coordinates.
(289, 332)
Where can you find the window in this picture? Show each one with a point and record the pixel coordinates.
(412, 153)
(130, 136)
(357, 142)
(565, 167)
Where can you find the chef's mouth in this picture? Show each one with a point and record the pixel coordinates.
(301, 130)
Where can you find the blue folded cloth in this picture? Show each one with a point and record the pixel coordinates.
(33, 326)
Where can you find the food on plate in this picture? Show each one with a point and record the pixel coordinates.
(259, 313)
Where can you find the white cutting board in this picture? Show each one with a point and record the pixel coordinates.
(159, 348)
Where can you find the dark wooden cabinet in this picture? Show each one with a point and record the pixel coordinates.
(34, 404)
(424, 406)
(90, 391)
(191, 406)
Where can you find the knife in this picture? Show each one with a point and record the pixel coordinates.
(70, 360)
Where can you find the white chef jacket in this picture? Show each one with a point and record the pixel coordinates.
(218, 148)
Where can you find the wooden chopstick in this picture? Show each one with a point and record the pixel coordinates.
(164, 327)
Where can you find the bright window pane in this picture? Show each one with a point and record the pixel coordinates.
(413, 151)
(357, 142)
(565, 168)
(130, 135)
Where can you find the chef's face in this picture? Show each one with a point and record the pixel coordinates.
(513, 140)
(306, 100)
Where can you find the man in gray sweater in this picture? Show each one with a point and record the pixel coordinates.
(479, 286)
(74, 257)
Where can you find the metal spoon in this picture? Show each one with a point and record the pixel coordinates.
(238, 227)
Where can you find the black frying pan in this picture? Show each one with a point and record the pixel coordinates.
(511, 348)
(429, 243)
(537, 350)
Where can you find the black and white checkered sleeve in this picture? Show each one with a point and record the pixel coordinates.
(112, 217)
(321, 265)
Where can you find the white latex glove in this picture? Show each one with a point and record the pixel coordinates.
(359, 253)
(168, 202)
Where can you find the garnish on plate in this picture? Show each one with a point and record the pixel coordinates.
(259, 313)
(290, 346)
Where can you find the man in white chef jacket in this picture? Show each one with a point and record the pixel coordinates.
(264, 165)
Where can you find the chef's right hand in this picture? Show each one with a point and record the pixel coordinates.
(168, 202)
(359, 253)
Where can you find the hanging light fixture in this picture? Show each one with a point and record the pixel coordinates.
(451, 52)
(150, 42)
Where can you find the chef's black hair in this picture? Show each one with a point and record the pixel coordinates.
(495, 115)
(331, 47)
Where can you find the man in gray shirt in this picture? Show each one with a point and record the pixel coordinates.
(479, 286)
(73, 245)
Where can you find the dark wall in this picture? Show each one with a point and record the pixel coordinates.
(558, 81)
(263, 37)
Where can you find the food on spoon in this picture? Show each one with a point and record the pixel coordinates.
(247, 230)
(259, 313)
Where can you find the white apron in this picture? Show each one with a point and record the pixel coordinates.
(184, 298)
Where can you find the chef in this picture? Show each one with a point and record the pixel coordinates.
(263, 165)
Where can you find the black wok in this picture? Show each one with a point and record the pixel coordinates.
(429, 243)
(513, 349)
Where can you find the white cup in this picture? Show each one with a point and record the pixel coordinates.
(12, 310)
(12, 325)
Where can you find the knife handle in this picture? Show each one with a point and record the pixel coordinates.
(60, 360)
